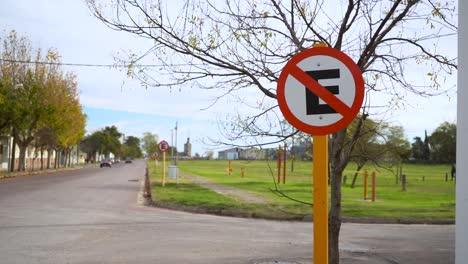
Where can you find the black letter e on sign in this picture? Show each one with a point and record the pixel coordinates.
(312, 101)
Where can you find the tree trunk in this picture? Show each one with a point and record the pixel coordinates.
(69, 158)
(292, 162)
(78, 154)
(57, 154)
(42, 157)
(48, 158)
(399, 171)
(13, 152)
(65, 158)
(339, 161)
(22, 158)
(359, 167)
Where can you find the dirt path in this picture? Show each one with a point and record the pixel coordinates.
(238, 194)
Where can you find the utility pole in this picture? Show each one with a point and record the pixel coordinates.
(177, 150)
(461, 231)
(172, 146)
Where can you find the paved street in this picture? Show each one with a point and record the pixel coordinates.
(91, 216)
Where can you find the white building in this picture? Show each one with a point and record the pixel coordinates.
(33, 158)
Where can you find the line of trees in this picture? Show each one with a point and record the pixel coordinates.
(108, 140)
(385, 145)
(39, 103)
(439, 147)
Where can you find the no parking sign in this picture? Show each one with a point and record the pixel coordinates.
(163, 146)
(320, 91)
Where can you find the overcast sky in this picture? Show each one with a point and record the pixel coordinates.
(110, 98)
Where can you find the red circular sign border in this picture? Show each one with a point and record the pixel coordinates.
(358, 98)
(161, 143)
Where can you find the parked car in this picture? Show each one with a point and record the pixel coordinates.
(128, 160)
(106, 163)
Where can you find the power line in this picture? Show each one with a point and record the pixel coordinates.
(88, 64)
(429, 37)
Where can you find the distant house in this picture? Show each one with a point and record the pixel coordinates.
(271, 153)
(4, 153)
(229, 154)
(251, 154)
(302, 152)
(34, 159)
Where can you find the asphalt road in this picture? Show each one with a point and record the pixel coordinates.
(91, 216)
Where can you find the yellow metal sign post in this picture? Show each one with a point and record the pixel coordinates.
(163, 147)
(164, 169)
(320, 179)
(326, 108)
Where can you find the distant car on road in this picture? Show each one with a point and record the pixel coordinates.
(106, 163)
(128, 160)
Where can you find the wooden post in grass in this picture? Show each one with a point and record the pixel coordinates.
(365, 185)
(284, 164)
(229, 167)
(242, 172)
(403, 182)
(373, 186)
(279, 164)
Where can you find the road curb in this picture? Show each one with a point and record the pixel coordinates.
(375, 220)
(144, 195)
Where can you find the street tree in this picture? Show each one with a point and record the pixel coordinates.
(46, 140)
(234, 46)
(209, 154)
(149, 143)
(443, 143)
(5, 109)
(102, 142)
(417, 150)
(30, 111)
(397, 148)
(426, 148)
(367, 148)
(35, 91)
(14, 48)
(91, 144)
(110, 142)
(132, 147)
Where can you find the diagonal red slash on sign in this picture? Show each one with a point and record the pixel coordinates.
(292, 107)
(316, 88)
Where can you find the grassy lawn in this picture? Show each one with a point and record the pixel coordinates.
(192, 197)
(432, 198)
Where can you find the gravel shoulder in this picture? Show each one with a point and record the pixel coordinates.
(238, 194)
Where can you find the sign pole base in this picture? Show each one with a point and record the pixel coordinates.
(164, 170)
(320, 179)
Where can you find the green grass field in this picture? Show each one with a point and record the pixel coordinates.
(432, 198)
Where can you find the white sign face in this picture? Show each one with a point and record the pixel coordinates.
(333, 75)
